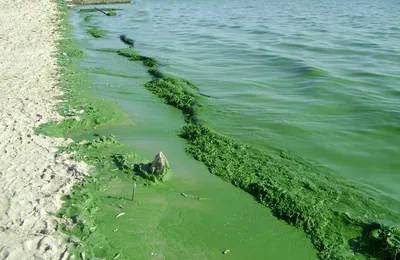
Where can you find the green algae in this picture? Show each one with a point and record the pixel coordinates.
(95, 32)
(93, 210)
(126, 92)
(106, 72)
(88, 18)
(302, 194)
(297, 192)
(155, 72)
(173, 92)
(107, 50)
(83, 109)
(179, 93)
(129, 53)
(126, 163)
(148, 62)
(133, 56)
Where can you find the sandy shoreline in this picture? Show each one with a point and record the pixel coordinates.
(32, 179)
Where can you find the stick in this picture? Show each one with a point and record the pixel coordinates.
(101, 11)
(133, 190)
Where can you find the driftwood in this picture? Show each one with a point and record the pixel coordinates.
(127, 40)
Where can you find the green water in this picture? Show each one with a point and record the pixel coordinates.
(323, 87)
(319, 79)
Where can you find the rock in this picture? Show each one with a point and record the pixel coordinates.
(159, 165)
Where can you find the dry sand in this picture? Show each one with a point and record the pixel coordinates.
(32, 178)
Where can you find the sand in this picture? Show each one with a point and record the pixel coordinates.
(32, 178)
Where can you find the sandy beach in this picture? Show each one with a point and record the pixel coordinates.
(32, 178)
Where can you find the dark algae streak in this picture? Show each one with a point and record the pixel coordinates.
(342, 222)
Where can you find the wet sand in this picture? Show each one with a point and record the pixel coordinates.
(32, 178)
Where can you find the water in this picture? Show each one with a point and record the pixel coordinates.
(318, 78)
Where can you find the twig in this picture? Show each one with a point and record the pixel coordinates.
(101, 11)
(133, 190)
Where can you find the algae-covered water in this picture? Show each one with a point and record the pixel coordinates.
(318, 79)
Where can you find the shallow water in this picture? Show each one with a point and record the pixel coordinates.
(319, 79)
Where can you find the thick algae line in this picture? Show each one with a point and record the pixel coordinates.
(302, 194)
(99, 216)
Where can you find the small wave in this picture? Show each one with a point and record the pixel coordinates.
(296, 67)
(258, 32)
(307, 71)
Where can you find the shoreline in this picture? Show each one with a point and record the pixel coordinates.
(51, 242)
(32, 178)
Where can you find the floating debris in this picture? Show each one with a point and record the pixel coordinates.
(117, 255)
(227, 251)
(184, 195)
(127, 40)
(120, 214)
(82, 255)
(115, 230)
